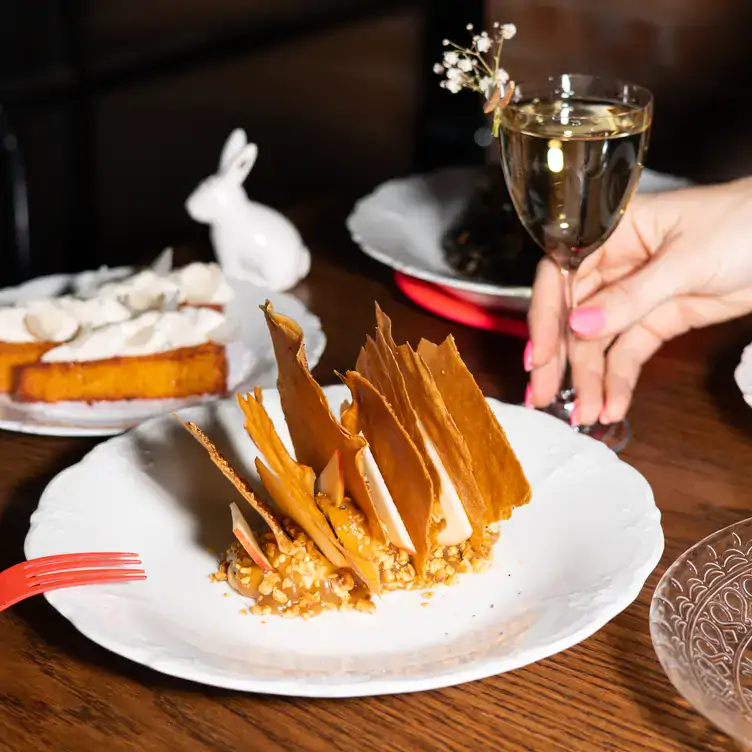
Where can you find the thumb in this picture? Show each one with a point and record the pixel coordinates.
(619, 305)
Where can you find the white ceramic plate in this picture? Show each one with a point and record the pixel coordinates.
(565, 565)
(250, 359)
(402, 223)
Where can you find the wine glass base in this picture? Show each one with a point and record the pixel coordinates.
(614, 435)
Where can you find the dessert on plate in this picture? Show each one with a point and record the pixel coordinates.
(403, 487)
(148, 335)
(487, 242)
(156, 355)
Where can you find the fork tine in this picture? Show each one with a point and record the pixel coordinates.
(87, 581)
(42, 581)
(63, 559)
(97, 560)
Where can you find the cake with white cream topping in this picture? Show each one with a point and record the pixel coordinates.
(145, 336)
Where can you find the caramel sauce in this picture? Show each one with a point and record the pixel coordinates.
(303, 583)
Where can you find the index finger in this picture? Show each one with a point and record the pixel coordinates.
(546, 314)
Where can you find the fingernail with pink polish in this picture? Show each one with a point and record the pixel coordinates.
(587, 321)
(574, 416)
(529, 396)
(527, 358)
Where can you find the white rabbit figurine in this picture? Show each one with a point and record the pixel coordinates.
(251, 241)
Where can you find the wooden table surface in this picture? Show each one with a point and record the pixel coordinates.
(692, 441)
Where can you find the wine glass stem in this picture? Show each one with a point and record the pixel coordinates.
(566, 397)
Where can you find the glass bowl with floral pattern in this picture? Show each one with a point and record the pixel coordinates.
(701, 627)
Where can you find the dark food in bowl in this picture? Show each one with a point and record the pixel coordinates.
(487, 242)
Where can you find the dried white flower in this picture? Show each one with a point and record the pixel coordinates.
(476, 67)
(483, 44)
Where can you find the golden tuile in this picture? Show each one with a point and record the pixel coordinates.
(291, 485)
(304, 405)
(400, 399)
(241, 484)
(401, 465)
(377, 364)
(446, 438)
(497, 470)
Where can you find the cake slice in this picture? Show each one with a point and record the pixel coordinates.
(28, 331)
(157, 355)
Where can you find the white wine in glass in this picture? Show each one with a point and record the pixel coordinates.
(572, 148)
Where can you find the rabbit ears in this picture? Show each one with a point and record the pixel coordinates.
(238, 157)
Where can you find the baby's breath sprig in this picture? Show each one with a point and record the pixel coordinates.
(478, 69)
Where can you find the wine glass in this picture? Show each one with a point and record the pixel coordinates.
(572, 148)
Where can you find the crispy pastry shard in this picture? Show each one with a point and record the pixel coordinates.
(291, 485)
(241, 484)
(396, 391)
(389, 516)
(315, 433)
(401, 465)
(497, 470)
(378, 365)
(442, 432)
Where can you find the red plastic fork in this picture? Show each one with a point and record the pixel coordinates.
(66, 570)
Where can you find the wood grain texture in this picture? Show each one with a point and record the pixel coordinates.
(693, 438)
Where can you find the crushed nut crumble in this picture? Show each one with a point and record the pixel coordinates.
(305, 583)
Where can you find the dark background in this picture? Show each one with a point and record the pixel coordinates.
(120, 107)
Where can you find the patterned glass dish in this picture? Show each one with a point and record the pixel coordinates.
(701, 626)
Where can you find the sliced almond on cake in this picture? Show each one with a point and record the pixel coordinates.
(315, 433)
(497, 470)
(241, 484)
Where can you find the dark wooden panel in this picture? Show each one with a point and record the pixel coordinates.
(693, 54)
(121, 27)
(334, 112)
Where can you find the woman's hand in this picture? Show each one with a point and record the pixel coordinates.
(677, 261)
